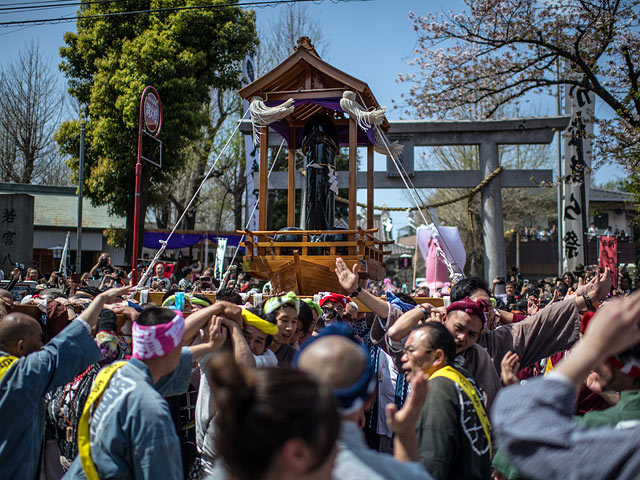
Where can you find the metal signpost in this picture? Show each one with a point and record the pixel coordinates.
(151, 114)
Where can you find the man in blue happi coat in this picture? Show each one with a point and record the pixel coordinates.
(28, 371)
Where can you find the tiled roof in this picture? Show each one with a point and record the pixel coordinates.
(58, 207)
(599, 195)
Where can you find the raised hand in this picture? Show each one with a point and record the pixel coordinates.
(348, 278)
(404, 420)
(113, 294)
(509, 366)
(218, 332)
(615, 327)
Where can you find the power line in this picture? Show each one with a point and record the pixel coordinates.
(259, 4)
(45, 5)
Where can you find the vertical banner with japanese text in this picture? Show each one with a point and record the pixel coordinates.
(251, 165)
(16, 231)
(220, 251)
(608, 256)
(579, 104)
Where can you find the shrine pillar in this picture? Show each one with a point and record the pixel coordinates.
(495, 261)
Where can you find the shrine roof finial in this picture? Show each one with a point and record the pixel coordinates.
(305, 42)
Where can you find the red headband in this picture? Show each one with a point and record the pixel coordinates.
(478, 308)
(335, 298)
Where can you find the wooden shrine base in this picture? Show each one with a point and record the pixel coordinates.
(308, 275)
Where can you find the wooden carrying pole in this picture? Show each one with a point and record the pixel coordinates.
(369, 186)
(353, 175)
(262, 187)
(291, 186)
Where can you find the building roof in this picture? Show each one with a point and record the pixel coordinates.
(58, 207)
(600, 195)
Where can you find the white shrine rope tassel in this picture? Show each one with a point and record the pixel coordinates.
(364, 117)
(262, 115)
(164, 243)
(452, 274)
(395, 148)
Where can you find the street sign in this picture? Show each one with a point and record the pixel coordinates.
(152, 113)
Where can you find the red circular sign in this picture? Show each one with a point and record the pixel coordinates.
(151, 112)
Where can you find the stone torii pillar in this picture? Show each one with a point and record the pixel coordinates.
(495, 260)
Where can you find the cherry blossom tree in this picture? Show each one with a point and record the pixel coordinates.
(497, 52)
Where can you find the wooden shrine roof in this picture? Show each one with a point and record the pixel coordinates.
(304, 75)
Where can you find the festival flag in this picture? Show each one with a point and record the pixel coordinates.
(608, 248)
(577, 162)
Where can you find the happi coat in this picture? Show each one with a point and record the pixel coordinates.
(132, 435)
(22, 409)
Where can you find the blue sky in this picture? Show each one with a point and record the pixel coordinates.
(372, 41)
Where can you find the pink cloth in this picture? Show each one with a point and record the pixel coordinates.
(152, 341)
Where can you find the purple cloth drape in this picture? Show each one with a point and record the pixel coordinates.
(184, 240)
(282, 127)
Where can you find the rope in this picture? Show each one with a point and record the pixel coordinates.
(164, 243)
(223, 282)
(468, 195)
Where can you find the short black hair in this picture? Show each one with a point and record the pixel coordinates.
(466, 287)
(439, 337)
(406, 298)
(230, 295)
(306, 317)
(155, 316)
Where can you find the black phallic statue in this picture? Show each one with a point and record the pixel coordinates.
(320, 147)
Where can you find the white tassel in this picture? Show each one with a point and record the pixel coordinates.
(395, 147)
(333, 180)
(262, 115)
(365, 119)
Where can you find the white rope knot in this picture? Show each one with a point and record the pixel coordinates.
(262, 115)
(365, 118)
(395, 148)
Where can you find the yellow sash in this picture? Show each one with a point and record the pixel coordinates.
(455, 376)
(549, 366)
(97, 389)
(5, 363)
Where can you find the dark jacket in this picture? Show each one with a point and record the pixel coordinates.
(449, 448)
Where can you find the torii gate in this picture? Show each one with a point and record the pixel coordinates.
(487, 135)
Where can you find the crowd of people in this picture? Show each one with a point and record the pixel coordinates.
(539, 381)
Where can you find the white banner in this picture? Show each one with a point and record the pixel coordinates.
(220, 251)
(251, 166)
(579, 103)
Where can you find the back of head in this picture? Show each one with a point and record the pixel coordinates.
(335, 361)
(229, 295)
(14, 327)
(406, 298)
(466, 287)
(155, 316)
(338, 361)
(439, 338)
(260, 410)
